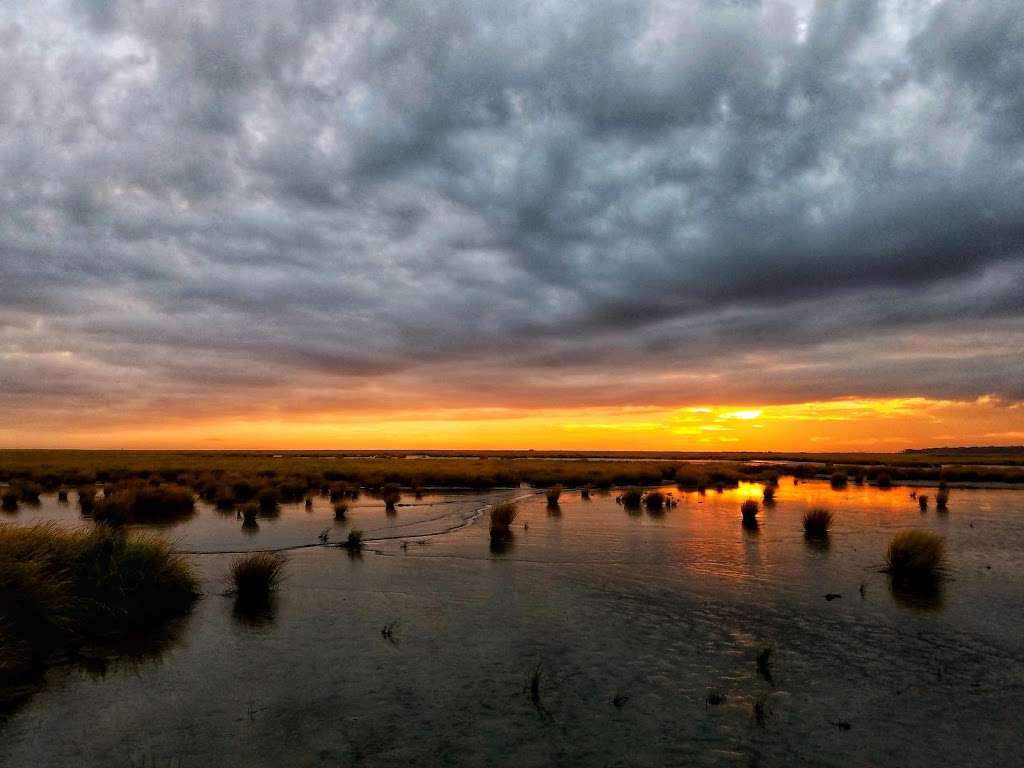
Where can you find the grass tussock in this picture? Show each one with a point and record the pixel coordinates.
(632, 498)
(340, 510)
(354, 542)
(256, 575)
(62, 588)
(392, 494)
(817, 522)
(553, 494)
(749, 509)
(838, 480)
(916, 553)
(942, 500)
(922, 502)
(654, 501)
(9, 500)
(502, 517)
(768, 495)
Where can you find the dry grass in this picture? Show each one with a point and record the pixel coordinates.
(916, 553)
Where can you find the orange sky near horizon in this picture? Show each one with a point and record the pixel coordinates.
(832, 425)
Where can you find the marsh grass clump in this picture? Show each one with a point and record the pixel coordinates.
(354, 542)
(9, 500)
(916, 554)
(768, 495)
(63, 588)
(62, 496)
(248, 513)
(392, 494)
(817, 521)
(585, 492)
(922, 502)
(883, 480)
(632, 498)
(502, 517)
(942, 499)
(553, 494)
(255, 575)
(654, 501)
(268, 499)
(838, 480)
(340, 510)
(749, 509)
(142, 503)
(87, 498)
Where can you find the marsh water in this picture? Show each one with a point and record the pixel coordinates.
(598, 636)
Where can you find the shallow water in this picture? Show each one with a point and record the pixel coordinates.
(630, 618)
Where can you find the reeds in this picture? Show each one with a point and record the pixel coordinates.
(817, 521)
(916, 553)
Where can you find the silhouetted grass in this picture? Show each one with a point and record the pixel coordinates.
(141, 503)
(9, 500)
(654, 501)
(838, 480)
(749, 509)
(553, 494)
(340, 510)
(916, 553)
(769, 494)
(249, 512)
(922, 502)
(632, 498)
(354, 542)
(256, 574)
(392, 494)
(817, 521)
(942, 499)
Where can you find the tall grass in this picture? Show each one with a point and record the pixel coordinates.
(839, 480)
(9, 500)
(916, 553)
(942, 499)
(340, 510)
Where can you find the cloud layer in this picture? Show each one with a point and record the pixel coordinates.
(302, 205)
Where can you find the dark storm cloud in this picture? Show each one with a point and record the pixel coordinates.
(509, 203)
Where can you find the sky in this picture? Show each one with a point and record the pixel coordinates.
(613, 224)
